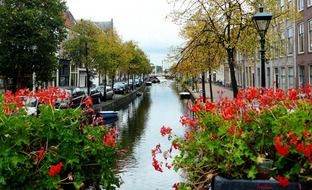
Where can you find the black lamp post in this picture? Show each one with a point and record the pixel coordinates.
(262, 22)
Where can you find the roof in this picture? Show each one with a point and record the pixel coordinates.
(105, 25)
(69, 19)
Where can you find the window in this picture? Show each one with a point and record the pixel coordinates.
(283, 78)
(310, 74)
(268, 77)
(282, 4)
(276, 81)
(300, 5)
(291, 77)
(300, 38)
(301, 76)
(290, 43)
(309, 3)
(259, 77)
(310, 35)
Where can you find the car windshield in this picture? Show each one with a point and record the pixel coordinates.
(31, 102)
(118, 85)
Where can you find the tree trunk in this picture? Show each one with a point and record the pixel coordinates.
(113, 81)
(193, 83)
(105, 83)
(210, 86)
(203, 87)
(232, 71)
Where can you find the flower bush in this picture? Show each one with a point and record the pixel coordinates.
(57, 149)
(232, 138)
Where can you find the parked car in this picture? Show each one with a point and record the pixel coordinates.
(31, 106)
(61, 103)
(109, 92)
(120, 88)
(78, 95)
(95, 94)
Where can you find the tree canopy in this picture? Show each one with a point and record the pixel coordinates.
(30, 34)
(226, 23)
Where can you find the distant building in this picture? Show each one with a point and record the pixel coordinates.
(103, 25)
(67, 74)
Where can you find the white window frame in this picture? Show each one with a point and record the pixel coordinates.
(300, 5)
(282, 4)
(291, 77)
(290, 40)
(310, 74)
(300, 31)
(283, 78)
(310, 35)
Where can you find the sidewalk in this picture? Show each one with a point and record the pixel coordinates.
(218, 91)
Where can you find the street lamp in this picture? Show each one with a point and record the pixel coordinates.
(262, 22)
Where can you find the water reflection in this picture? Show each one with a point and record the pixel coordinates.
(139, 125)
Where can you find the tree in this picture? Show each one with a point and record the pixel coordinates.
(229, 22)
(82, 45)
(108, 53)
(30, 34)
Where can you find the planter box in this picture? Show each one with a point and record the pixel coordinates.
(221, 183)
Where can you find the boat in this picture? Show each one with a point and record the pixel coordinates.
(109, 117)
(108, 114)
(148, 83)
(185, 95)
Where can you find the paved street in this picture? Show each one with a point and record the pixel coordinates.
(218, 91)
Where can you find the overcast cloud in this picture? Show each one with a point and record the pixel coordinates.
(143, 21)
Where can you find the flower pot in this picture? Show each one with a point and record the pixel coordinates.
(220, 183)
(264, 169)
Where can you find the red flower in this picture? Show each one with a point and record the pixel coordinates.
(233, 131)
(40, 154)
(165, 131)
(283, 181)
(196, 108)
(282, 149)
(228, 113)
(156, 165)
(175, 145)
(109, 139)
(300, 147)
(87, 101)
(168, 166)
(175, 186)
(55, 169)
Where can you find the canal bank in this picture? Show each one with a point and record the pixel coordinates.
(217, 91)
(119, 101)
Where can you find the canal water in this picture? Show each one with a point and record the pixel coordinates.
(139, 132)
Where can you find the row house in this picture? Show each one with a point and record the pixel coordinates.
(304, 43)
(290, 65)
(69, 73)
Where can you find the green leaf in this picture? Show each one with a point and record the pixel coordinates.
(252, 172)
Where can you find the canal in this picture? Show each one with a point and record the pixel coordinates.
(139, 131)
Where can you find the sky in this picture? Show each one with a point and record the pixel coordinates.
(143, 21)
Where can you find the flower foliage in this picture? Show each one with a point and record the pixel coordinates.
(232, 137)
(58, 148)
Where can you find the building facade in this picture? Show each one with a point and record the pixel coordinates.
(304, 43)
(290, 63)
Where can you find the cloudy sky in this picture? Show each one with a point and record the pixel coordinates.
(143, 21)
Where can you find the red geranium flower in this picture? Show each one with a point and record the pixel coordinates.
(283, 181)
(55, 169)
